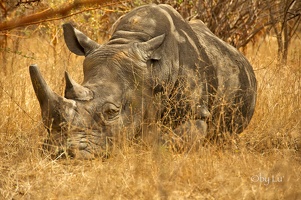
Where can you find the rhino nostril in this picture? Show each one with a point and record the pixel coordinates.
(70, 154)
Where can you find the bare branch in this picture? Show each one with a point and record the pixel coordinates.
(35, 18)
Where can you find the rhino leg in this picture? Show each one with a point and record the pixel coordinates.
(198, 127)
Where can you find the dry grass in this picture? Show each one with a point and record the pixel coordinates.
(263, 163)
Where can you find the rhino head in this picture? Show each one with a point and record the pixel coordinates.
(114, 97)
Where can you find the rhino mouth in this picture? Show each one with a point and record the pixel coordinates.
(62, 153)
(80, 145)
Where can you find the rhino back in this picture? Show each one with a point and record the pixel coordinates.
(181, 51)
(236, 82)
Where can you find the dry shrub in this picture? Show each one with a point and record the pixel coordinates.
(276, 124)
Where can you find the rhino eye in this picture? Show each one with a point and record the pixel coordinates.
(110, 111)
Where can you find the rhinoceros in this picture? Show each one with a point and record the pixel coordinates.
(156, 67)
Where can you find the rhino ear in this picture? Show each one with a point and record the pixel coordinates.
(150, 49)
(77, 42)
(75, 91)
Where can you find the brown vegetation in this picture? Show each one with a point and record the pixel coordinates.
(264, 162)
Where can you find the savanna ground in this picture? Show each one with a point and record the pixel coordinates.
(264, 162)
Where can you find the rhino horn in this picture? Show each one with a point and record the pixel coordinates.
(42, 90)
(48, 100)
(75, 91)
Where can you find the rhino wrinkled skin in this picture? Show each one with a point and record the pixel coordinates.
(155, 67)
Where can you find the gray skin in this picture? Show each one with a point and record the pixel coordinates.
(155, 67)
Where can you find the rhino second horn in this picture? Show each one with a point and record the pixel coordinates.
(43, 92)
(75, 91)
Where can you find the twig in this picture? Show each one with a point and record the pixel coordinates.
(35, 18)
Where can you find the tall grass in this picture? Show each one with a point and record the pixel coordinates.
(263, 163)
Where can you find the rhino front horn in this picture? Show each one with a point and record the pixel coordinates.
(42, 90)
